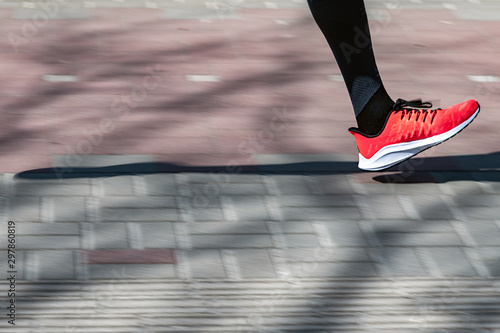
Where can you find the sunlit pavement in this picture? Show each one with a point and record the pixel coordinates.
(186, 167)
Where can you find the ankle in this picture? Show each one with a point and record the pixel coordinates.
(372, 118)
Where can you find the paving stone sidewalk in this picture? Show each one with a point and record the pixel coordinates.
(185, 167)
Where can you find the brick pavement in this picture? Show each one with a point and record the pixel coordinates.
(204, 131)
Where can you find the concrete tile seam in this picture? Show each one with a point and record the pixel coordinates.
(487, 188)
(139, 187)
(428, 262)
(92, 209)
(87, 240)
(312, 184)
(81, 269)
(462, 233)
(276, 233)
(182, 236)
(183, 267)
(369, 234)
(47, 210)
(322, 234)
(228, 208)
(357, 187)
(379, 262)
(184, 209)
(280, 265)
(97, 187)
(231, 264)
(182, 183)
(273, 208)
(8, 185)
(135, 236)
(5, 209)
(453, 208)
(31, 266)
(408, 207)
(476, 262)
(270, 185)
(363, 206)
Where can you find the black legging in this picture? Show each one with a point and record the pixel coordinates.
(345, 26)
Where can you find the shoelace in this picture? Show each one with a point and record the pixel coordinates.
(414, 107)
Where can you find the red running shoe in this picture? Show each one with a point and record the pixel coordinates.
(410, 128)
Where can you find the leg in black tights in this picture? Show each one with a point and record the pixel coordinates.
(345, 26)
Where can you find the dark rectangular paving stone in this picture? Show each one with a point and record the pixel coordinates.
(126, 256)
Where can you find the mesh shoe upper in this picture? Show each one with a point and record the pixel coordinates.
(406, 124)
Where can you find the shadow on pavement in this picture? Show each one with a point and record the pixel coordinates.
(482, 167)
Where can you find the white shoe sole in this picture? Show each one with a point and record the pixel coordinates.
(399, 152)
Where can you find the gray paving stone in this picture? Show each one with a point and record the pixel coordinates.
(345, 233)
(131, 271)
(157, 235)
(401, 262)
(250, 208)
(493, 186)
(47, 178)
(316, 200)
(214, 189)
(419, 239)
(233, 227)
(230, 241)
(110, 236)
(207, 214)
(4, 203)
(34, 228)
(330, 269)
(462, 187)
(255, 263)
(477, 200)
(334, 184)
(332, 254)
(291, 227)
(205, 208)
(484, 233)
(371, 189)
(138, 202)
(490, 255)
(427, 189)
(243, 189)
(288, 185)
(488, 252)
(160, 184)
(118, 185)
(480, 213)
(321, 213)
(48, 242)
(223, 177)
(56, 265)
(385, 207)
(206, 264)
(451, 261)
(24, 209)
(431, 207)
(301, 240)
(416, 226)
(70, 209)
(139, 214)
(52, 189)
